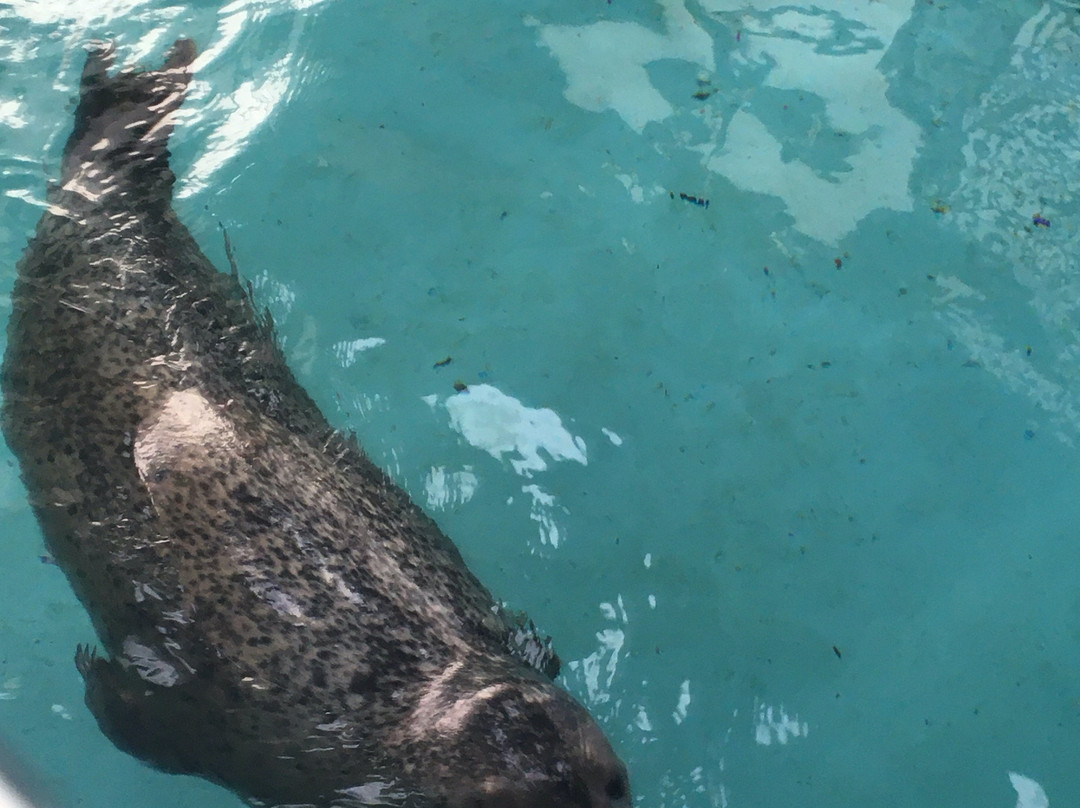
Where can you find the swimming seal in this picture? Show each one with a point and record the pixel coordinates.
(278, 616)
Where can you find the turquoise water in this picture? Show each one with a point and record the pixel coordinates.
(790, 477)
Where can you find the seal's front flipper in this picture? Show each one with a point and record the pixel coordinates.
(524, 641)
(142, 719)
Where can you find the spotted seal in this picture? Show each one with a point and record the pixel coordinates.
(278, 615)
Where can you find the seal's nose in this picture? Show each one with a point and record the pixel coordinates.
(608, 784)
(616, 791)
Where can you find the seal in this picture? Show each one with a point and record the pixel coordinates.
(277, 615)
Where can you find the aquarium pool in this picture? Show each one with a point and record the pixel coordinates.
(769, 319)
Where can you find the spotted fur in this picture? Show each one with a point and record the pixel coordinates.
(278, 615)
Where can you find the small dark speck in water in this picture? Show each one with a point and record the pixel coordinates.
(700, 201)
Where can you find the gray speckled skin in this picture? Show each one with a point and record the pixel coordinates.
(279, 617)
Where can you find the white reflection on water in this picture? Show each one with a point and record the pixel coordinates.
(1015, 198)
(862, 149)
(1029, 794)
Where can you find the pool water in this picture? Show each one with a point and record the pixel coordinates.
(768, 314)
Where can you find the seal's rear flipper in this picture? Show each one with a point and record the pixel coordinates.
(123, 122)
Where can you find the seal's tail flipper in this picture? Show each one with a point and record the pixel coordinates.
(100, 56)
(125, 119)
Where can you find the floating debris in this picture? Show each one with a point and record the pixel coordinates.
(460, 386)
(940, 207)
(697, 200)
(1038, 220)
(704, 90)
(444, 362)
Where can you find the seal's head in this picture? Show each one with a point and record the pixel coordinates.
(511, 740)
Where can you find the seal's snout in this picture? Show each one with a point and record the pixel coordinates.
(617, 789)
(599, 788)
(604, 775)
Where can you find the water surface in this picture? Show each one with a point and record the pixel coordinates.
(768, 314)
